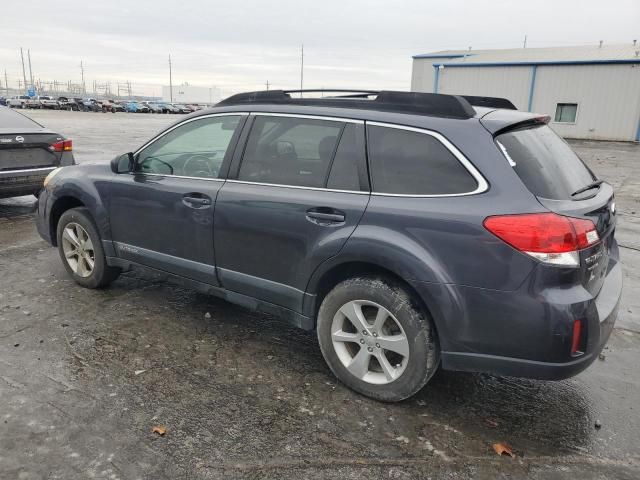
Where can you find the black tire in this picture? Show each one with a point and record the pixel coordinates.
(424, 351)
(102, 274)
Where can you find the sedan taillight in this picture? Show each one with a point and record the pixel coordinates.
(61, 146)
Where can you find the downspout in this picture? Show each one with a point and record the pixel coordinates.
(532, 86)
(436, 78)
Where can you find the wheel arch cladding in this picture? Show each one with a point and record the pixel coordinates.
(77, 192)
(60, 206)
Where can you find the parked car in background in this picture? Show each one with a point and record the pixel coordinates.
(182, 108)
(90, 105)
(154, 107)
(412, 231)
(19, 101)
(136, 107)
(47, 102)
(167, 107)
(67, 103)
(111, 106)
(3, 101)
(28, 153)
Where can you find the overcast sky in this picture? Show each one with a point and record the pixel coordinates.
(240, 45)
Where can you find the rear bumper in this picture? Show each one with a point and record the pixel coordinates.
(527, 333)
(22, 182)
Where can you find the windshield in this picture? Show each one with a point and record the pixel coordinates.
(545, 163)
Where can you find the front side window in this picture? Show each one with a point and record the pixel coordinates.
(566, 112)
(290, 151)
(414, 163)
(195, 149)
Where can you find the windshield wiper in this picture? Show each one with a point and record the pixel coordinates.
(595, 184)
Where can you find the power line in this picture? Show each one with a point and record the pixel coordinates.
(30, 71)
(24, 73)
(301, 68)
(84, 87)
(170, 81)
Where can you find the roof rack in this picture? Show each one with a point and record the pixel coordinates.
(432, 104)
(491, 102)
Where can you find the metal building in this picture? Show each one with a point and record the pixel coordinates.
(590, 92)
(191, 94)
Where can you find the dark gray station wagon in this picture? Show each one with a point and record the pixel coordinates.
(410, 230)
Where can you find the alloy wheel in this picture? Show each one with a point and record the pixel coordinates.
(78, 249)
(370, 342)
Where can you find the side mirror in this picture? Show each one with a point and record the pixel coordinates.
(123, 163)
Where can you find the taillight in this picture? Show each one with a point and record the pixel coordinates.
(61, 146)
(576, 338)
(548, 237)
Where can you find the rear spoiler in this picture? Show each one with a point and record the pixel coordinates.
(491, 102)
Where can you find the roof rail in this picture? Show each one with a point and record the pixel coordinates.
(432, 104)
(492, 102)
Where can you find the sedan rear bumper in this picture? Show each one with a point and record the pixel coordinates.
(22, 182)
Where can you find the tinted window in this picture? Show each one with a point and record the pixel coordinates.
(345, 174)
(195, 149)
(544, 162)
(289, 151)
(414, 163)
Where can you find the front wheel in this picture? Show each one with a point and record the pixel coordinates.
(377, 339)
(80, 249)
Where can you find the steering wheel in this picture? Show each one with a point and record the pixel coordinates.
(198, 166)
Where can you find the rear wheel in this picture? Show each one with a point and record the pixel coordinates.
(376, 339)
(80, 249)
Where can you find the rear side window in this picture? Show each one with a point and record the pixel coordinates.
(290, 151)
(545, 162)
(414, 163)
(345, 172)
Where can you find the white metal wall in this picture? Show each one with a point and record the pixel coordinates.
(507, 82)
(608, 98)
(191, 93)
(422, 75)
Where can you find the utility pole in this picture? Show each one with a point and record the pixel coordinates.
(301, 68)
(84, 87)
(6, 82)
(24, 73)
(267, 84)
(170, 81)
(30, 71)
(525, 42)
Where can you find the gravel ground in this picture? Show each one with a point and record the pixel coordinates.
(86, 375)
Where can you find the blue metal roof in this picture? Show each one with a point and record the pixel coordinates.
(541, 62)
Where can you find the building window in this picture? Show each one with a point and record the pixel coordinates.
(566, 112)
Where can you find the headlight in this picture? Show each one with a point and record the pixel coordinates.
(52, 174)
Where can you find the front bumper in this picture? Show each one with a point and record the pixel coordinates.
(45, 203)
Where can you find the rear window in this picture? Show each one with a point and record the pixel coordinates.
(545, 162)
(15, 120)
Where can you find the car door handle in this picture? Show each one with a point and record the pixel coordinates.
(325, 215)
(196, 200)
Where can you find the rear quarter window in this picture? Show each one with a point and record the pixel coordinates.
(414, 163)
(545, 163)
